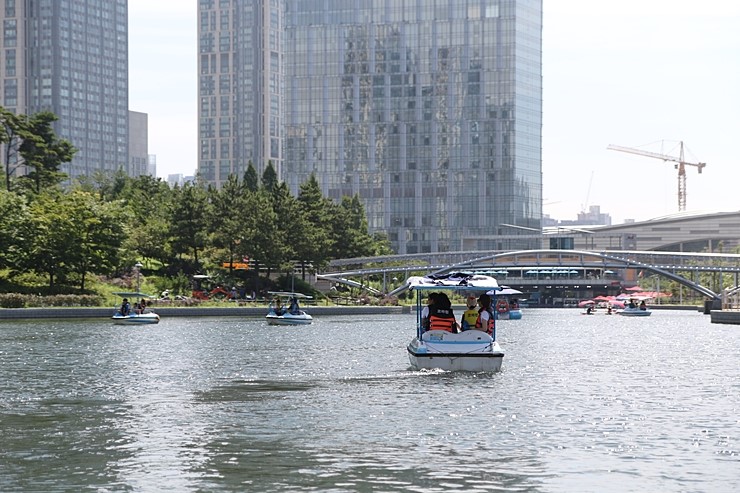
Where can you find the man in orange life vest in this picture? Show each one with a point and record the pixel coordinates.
(441, 316)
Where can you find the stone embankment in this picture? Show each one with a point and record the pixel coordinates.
(164, 312)
(725, 317)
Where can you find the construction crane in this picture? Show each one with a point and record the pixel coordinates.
(680, 166)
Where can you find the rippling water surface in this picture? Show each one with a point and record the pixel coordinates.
(600, 403)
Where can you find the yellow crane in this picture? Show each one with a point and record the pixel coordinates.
(680, 166)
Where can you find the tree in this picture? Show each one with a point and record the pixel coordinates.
(75, 233)
(11, 130)
(16, 231)
(43, 152)
(316, 245)
(98, 234)
(270, 178)
(227, 219)
(274, 228)
(189, 228)
(350, 236)
(251, 180)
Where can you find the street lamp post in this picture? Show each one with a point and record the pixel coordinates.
(138, 272)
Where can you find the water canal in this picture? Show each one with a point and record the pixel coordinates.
(599, 403)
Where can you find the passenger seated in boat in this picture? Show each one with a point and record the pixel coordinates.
(125, 308)
(589, 310)
(431, 299)
(294, 308)
(278, 307)
(142, 306)
(441, 316)
(642, 305)
(632, 304)
(485, 315)
(470, 315)
(514, 304)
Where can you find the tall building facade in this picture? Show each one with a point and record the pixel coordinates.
(71, 57)
(430, 110)
(240, 86)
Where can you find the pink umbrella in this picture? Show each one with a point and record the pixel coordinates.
(585, 303)
(633, 288)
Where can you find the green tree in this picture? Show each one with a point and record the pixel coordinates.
(12, 130)
(316, 244)
(148, 206)
(97, 235)
(251, 180)
(43, 153)
(270, 179)
(16, 231)
(75, 233)
(350, 236)
(189, 228)
(272, 227)
(227, 219)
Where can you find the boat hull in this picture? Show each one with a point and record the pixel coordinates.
(472, 350)
(634, 312)
(289, 319)
(134, 319)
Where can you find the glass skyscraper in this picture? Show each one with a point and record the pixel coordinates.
(71, 57)
(430, 110)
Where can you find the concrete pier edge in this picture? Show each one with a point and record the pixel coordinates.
(165, 312)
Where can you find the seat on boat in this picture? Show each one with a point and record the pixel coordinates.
(473, 335)
(468, 335)
(436, 335)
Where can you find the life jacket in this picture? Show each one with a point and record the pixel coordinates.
(441, 319)
(489, 323)
(502, 306)
(470, 316)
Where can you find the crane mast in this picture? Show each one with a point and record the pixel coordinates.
(680, 166)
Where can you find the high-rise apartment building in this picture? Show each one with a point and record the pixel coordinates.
(430, 110)
(70, 57)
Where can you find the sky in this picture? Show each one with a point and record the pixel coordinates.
(644, 74)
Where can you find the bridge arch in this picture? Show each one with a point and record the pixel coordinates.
(567, 258)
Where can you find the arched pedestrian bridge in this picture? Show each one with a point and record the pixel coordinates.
(703, 273)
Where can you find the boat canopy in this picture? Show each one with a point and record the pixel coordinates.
(287, 294)
(456, 281)
(133, 294)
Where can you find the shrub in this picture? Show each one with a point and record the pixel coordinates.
(12, 300)
(17, 300)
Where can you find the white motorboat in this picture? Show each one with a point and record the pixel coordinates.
(126, 314)
(469, 350)
(135, 318)
(634, 312)
(292, 315)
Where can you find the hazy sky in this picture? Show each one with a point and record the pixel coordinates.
(636, 73)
